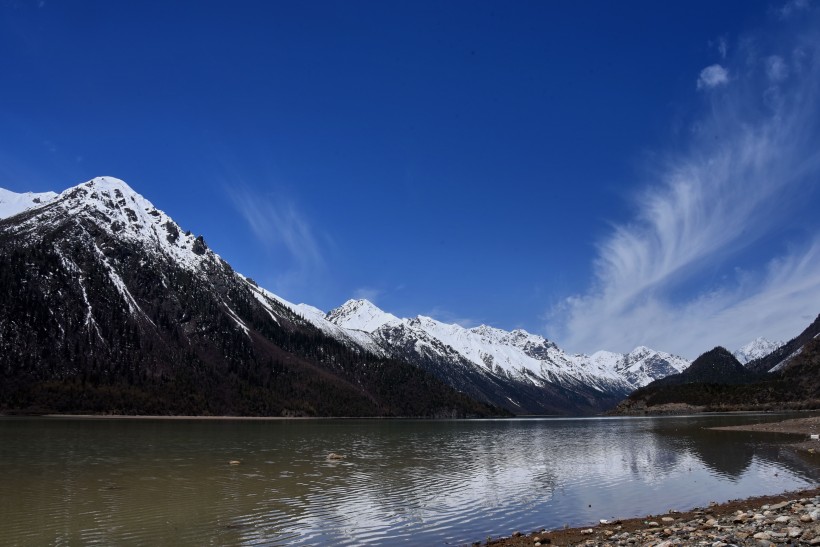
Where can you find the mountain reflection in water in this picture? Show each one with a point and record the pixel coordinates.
(431, 482)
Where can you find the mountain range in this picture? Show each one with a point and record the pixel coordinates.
(788, 377)
(102, 289)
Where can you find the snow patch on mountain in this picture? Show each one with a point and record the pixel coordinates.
(359, 315)
(317, 318)
(756, 349)
(12, 203)
(113, 206)
(643, 365)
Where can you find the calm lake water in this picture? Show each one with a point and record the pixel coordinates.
(161, 482)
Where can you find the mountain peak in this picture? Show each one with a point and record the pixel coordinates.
(756, 349)
(717, 365)
(108, 182)
(639, 350)
(115, 208)
(359, 314)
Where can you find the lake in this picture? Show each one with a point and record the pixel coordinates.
(414, 482)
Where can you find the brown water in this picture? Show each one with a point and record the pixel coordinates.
(160, 482)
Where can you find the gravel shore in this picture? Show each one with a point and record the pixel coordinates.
(791, 518)
(786, 519)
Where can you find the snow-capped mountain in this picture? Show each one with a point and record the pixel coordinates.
(642, 365)
(756, 349)
(113, 261)
(107, 305)
(519, 353)
(511, 362)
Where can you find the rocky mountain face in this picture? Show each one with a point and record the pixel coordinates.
(107, 304)
(787, 378)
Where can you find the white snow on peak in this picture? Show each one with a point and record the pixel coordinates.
(643, 365)
(606, 359)
(518, 354)
(116, 208)
(359, 315)
(757, 348)
(12, 203)
(317, 318)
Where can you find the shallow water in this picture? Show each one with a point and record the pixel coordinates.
(154, 482)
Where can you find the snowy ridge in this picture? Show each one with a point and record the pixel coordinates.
(756, 349)
(517, 355)
(12, 203)
(642, 365)
(114, 207)
(359, 315)
(317, 318)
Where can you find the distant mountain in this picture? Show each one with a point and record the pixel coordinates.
(522, 372)
(107, 305)
(642, 365)
(756, 349)
(716, 366)
(788, 351)
(789, 377)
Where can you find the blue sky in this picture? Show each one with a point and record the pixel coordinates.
(606, 174)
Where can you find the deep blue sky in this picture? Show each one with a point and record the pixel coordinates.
(566, 167)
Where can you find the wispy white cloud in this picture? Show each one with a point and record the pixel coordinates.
(281, 226)
(753, 155)
(713, 76)
(723, 47)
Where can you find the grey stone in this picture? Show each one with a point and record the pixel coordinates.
(794, 531)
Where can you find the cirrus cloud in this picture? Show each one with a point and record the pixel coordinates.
(696, 266)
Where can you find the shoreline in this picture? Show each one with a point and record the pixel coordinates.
(733, 520)
(752, 427)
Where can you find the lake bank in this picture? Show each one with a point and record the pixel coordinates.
(777, 518)
(774, 518)
(798, 426)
